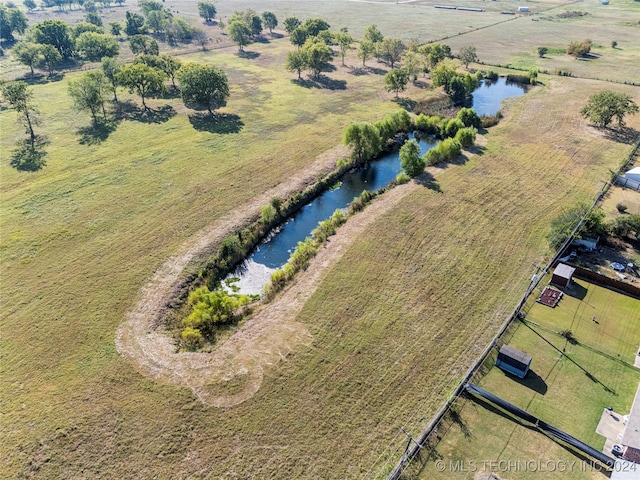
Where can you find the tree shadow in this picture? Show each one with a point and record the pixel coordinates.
(248, 54)
(406, 103)
(377, 71)
(427, 180)
(222, 123)
(276, 35)
(358, 71)
(170, 93)
(96, 133)
(321, 81)
(261, 39)
(130, 111)
(41, 79)
(456, 418)
(29, 158)
(621, 134)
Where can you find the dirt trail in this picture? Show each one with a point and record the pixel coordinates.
(232, 373)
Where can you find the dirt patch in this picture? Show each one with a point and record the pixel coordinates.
(233, 372)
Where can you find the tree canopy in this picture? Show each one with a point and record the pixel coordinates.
(203, 87)
(240, 33)
(207, 10)
(604, 106)
(142, 79)
(391, 50)
(12, 20)
(269, 20)
(364, 138)
(28, 54)
(88, 93)
(467, 55)
(410, 160)
(56, 33)
(396, 80)
(93, 46)
(317, 55)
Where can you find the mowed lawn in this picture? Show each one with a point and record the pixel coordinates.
(569, 391)
(395, 323)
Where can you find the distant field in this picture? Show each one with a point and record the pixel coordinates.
(557, 390)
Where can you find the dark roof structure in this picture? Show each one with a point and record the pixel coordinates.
(513, 361)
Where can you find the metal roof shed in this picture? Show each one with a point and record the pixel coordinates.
(513, 361)
(562, 275)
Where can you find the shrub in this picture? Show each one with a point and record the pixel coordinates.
(520, 79)
(402, 178)
(303, 254)
(624, 226)
(469, 117)
(268, 214)
(191, 339)
(490, 120)
(427, 124)
(452, 127)
(446, 150)
(491, 75)
(466, 136)
(621, 207)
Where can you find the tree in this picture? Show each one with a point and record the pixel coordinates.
(345, 41)
(314, 26)
(27, 54)
(142, 79)
(134, 24)
(396, 80)
(364, 139)
(207, 10)
(443, 72)
(298, 36)
(469, 117)
(82, 27)
(542, 51)
(155, 20)
(88, 93)
(366, 50)
(373, 35)
(580, 49)
(50, 57)
(410, 160)
(391, 50)
(56, 33)
(19, 98)
(317, 54)
(203, 87)
(111, 68)
(115, 28)
(93, 46)
(467, 55)
(201, 37)
(149, 5)
(93, 18)
(602, 107)
(12, 20)
(411, 64)
(240, 33)
(290, 24)
(435, 53)
(143, 44)
(269, 20)
(296, 62)
(614, 44)
(170, 66)
(30, 4)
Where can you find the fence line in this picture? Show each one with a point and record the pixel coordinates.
(414, 447)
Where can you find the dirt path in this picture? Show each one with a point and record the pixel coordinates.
(232, 373)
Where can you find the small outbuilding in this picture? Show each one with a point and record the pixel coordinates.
(523, 9)
(562, 275)
(513, 361)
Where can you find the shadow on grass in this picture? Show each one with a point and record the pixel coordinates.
(223, 123)
(621, 134)
(322, 81)
(575, 290)
(130, 111)
(377, 71)
(42, 79)
(532, 381)
(28, 157)
(405, 103)
(171, 92)
(427, 180)
(97, 133)
(248, 55)
(358, 71)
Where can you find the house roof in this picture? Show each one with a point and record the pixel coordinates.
(513, 357)
(635, 170)
(564, 271)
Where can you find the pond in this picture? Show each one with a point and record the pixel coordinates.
(274, 251)
(489, 95)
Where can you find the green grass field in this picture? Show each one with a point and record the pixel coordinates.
(394, 323)
(558, 389)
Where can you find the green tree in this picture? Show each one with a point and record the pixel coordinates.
(364, 139)
(298, 36)
(443, 72)
(207, 10)
(56, 33)
(374, 37)
(240, 33)
(115, 28)
(142, 79)
(134, 24)
(604, 106)
(314, 26)
(269, 20)
(203, 87)
(12, 20)
(156, 21)
(579, 49)
(366, 50)
(542, 51)
(411, 64)
(346, 43)
(201, 37)
(614, 44)
(410, 159)
(296, 62)
(149, 6)
(82, 27)
(435, 53)
(88, 93)
(30, 4)
(111, 68)
(19, 97)
(291, 23)
(27, 54)
(93, 46)
(93, 18)
(391, 50)
(318, 56)
(396, 80)
(50, 57)
(143, 44)
(469, 117)
(467, 55)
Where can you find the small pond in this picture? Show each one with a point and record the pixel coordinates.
(489, 95)
(274, 251)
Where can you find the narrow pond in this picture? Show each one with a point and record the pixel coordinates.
(274, 251)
